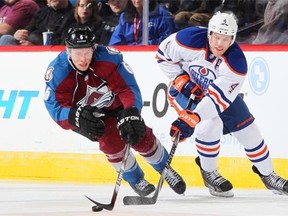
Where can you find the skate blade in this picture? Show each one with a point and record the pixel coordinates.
(278, 192)
(227, 194)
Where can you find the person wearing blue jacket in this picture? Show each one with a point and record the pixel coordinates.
(129, 30)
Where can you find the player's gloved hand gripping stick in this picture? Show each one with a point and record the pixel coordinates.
(136, 200)
(88, 121)
(131, 125)
(183, 84)
(185, 123)
(132, 129)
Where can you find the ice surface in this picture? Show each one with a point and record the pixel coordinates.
(43, 199)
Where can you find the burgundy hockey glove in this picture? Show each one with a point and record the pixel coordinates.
(183, 84)
(87, 119)
(186, 123)
(131, 126)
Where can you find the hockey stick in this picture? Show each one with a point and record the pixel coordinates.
(137, 200)
(100, 206)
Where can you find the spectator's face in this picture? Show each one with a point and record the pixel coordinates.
(117, 6)
(81, 58)
(84, 10)
(10, 2)
(137, 3)
(57, 4)
(219, 43)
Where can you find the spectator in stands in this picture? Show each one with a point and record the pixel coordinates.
(186, 19)
(55, 18)
(245, 10)
(275, 27)
(86, 13)
(16, 14)
(249, 19)
(129, 30)
(110, 22)
(196, 13)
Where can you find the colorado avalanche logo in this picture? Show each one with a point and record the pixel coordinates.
(99, 97)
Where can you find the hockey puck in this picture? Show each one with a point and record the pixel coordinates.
(96, 208)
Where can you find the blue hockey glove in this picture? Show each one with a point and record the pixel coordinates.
(185, 124)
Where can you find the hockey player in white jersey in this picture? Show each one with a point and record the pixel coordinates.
(209, 64)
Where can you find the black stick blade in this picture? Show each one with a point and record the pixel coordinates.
(108, 207)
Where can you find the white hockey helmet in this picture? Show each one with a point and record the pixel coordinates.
(223, 23)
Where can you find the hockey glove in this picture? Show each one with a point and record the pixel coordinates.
(87, 119)
(185, 123)
(131, 126)
(183, 84)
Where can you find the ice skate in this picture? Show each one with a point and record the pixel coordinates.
(175, 181)
(143, 188)
(273, 182)
(218, 185)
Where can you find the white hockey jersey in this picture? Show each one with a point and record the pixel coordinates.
(221, 78)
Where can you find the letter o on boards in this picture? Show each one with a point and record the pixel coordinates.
(159, 113)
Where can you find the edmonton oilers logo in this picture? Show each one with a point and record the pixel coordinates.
(202, 75)
(198, 69)
(202, 71)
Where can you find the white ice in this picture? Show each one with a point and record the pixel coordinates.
(43, 199)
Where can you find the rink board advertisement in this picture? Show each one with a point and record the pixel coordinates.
(33, 147)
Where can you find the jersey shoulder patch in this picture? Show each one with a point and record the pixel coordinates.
(108, 54)
(49, 74)
(112, 50)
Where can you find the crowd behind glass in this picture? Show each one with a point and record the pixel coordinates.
(119, 22)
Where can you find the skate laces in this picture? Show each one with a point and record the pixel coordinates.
(214, 178)
(274, 181)
(172, 177)
(142, 184)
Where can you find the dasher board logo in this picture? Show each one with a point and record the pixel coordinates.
(259, 76)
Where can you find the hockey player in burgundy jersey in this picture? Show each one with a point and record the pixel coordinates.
(209, 64)
(91, 90)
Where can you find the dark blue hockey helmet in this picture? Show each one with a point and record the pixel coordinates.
(80, 37)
